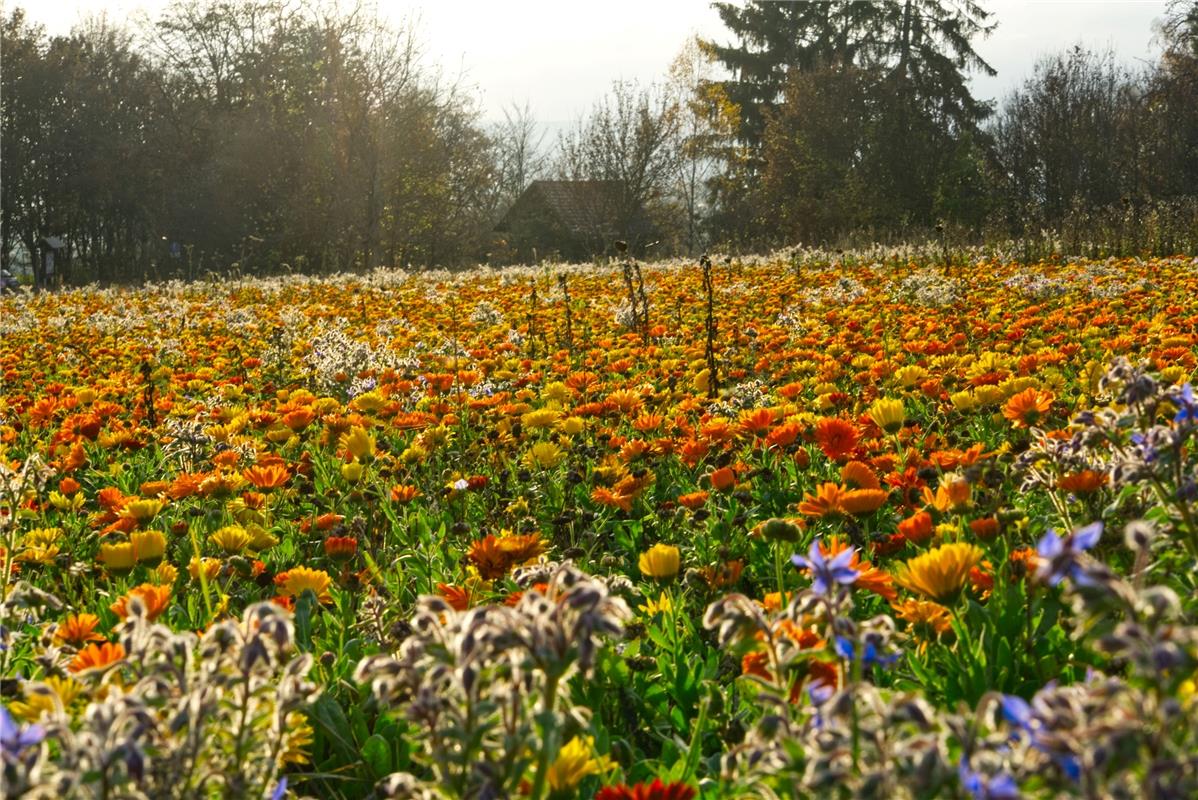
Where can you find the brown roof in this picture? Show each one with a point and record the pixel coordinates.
(583, 207)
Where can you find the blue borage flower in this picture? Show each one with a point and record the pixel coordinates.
(1060, 555)
(994, 787)
(1023, 716)
(16, 739)
(1187, 406)
(827, 572)
(846, 648)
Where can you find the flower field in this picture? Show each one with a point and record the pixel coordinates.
(805, 525)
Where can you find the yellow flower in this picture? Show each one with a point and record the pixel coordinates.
(118, 558)
(888, 414)
(357, 442)
(261, 538)
(148, 546)
(575, 761)
(297, 740)
(352, 472)
(64, 503)
(208, 567)
(541, 418)
(44, 697)
(232, 539)
(142, 510)
(572, 426)
(939, 573)
(165, 574)
(544, 455)
(661, 561)
(662, 605)
(293, 583)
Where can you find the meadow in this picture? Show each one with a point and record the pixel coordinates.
(891, 523)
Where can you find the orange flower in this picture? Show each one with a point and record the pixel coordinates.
(863, 501)
(293, 582)
(155, 598)
(836, 437)
(869, 577)
(404, 494)
(299, 419)
(270, 476)
(722, 479)
(985, 528)
(494, 555)
(97, 656)
(825, 502)
(1027, 407)
(917, 528)
(856, 475)
(457, 596)
(755, 422)
(606, 497)
(1087, 481)
(693, 500)
(340, 548)
(723, 575)
(78, 629)
(782, 436)
(953, 494)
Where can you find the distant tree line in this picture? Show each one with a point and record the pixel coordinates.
(261, 135)
(856, 119)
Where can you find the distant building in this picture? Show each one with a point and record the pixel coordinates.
(573, 220)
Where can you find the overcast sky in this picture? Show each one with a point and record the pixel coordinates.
(559, 56)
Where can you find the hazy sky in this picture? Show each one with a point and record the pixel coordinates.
(560, 55)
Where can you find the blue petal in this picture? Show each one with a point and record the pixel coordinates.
(1071, 766)
(1087, 537)
(1016, 710)
(1050, 545)
(842, 559)
(844, 647)
(280, 790)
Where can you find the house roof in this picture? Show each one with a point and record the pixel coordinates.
(582, 207)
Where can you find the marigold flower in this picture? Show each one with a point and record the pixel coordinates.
(607, 497)
(293, 582)
(647, 791)
(544, 455)
(722, 479)
(863, 501)
(693, 500)
(917, 528)
(1027, 407)
(357, 443)
(1084, 482)
(825, 501)
(340, 548)
(856, 475)
(148, 546)
(836, 437)
(888, 414)
(267, 477)
(940, 573)
(117, 558)
(232, 539)
(575, 761)
(142, 510)
(97, 656)
(208, 567)
(78, 629)
(661, 562)
(404, 494)
(156, 598)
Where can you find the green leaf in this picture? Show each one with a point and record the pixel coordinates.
(377, 755)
